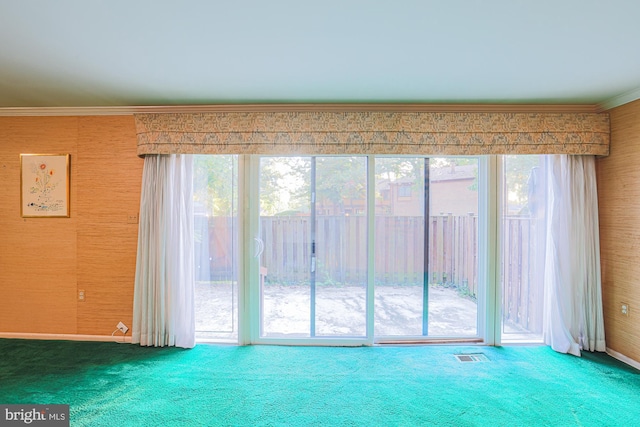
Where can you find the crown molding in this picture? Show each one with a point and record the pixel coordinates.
(621, 99)
(226, 108)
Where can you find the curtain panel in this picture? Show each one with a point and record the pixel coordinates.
(374, 132)
(163, 301)
(574, 318)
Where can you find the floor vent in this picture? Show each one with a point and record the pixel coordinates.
(472, 357)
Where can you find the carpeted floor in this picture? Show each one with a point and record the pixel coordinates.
(110, 384)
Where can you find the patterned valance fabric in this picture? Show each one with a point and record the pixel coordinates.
(328, 132)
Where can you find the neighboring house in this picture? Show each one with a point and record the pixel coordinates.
(349, 207)
(452, 191)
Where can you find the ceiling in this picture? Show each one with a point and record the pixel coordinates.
(78, 53)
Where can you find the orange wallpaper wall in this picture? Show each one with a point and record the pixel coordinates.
(45, 261)
(619, 212)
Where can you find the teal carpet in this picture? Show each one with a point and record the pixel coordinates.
(109, 384)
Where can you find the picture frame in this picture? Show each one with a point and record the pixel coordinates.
(44, 185)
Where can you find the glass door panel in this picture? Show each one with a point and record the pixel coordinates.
(399, 291)
(285, 291)
(215, 245)
(399, 305)
(408, 302)
(313, 235)
(341, 246)
(523, 247)
(453, 247)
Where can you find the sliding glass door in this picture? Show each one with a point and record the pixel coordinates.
(313, 247)
(426, 261)
(358, 249)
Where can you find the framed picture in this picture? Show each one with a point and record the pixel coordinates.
(44, 185)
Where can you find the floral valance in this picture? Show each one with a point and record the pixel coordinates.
(374, 132)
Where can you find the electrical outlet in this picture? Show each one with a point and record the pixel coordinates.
(132, 219)
(123, 328)
(624, 309)
(81, 295)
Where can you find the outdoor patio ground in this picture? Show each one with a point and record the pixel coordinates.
(340, 311)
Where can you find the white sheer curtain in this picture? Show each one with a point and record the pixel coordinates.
(163, 311)
(573, 290)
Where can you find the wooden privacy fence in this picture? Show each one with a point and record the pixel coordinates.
(341, 245)
(522, 272)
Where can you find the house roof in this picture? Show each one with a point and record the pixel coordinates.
(436, 174)
(453, 172)
(72, 53)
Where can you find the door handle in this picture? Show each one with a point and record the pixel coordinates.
(259, 247)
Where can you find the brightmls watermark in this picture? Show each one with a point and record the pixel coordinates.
(34, 415)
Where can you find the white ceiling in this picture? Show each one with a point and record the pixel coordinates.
(72, 53)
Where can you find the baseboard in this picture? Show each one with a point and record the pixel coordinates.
(65, 337)
(623, 358)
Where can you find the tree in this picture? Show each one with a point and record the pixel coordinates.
(412, 168)
(214, 184)
(285, 182)
(341, 180)
(517, 174)
(283, 185)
